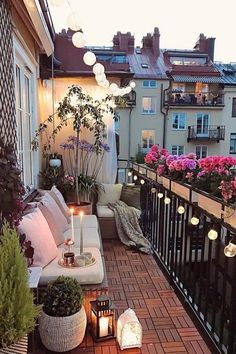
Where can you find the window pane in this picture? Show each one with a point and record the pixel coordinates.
(27, 93)
(18, 88)
(149, 105)
(204, 151)
(144, 138)
(234, 107)
(153, 83)
(145, 104)
(181, 150)
(233, 143)
(153, 105)
(198, 152)
(174, 150)
(145, 83)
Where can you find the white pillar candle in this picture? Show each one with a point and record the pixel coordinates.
(72, 225)
(81, 232)
(103, 326)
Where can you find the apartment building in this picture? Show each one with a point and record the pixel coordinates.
(184, 101)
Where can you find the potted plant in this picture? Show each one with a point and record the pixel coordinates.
(11, 186)
(63, 321)
(83, 112)
(17, 309)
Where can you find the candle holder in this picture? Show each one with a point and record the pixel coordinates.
(68, 253)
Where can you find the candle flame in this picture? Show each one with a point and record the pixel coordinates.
(81, 213)
(72, 210)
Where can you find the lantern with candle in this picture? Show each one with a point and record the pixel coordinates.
(68, 253)
(103, 315)
(129, 330)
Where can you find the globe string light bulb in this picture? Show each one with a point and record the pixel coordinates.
(132, 84)
(181, 209)
(89, 58)
(129, 173)
(160, 195)
(142, 181)
(230, 250)
(212, 234)
(167, 200)
(153, 190)
(135, 178)
(194, 220)
(98, 69)
(78, 40)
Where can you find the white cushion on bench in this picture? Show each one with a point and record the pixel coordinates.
(90, 237)
(104, 212)
(93, 274)
(110, 194)
(89, 221)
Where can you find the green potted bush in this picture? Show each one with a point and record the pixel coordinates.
(17, 309)
(63, 321)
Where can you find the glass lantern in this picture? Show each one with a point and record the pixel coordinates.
(68, 252)
(103, 315)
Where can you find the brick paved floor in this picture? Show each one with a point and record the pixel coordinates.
(136, 281)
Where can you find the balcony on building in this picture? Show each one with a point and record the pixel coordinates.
(195, 95)
(211, 133)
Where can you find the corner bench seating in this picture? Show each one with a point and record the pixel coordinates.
(92, 279)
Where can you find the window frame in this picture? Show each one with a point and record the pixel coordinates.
(178, 154)
(234, 151)
(28, 69)
(149, 84)
(149, 112)
(201, 146)
(148, 145)
(233, 109)
(172, 121)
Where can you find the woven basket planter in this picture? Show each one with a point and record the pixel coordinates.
(60, 334)
(20, 347)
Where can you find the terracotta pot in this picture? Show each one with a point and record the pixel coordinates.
(85, 207)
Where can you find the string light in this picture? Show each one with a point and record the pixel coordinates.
(153, 190)
(89, 58)
(135, 178)
(230, 250)
(212, 234)
(167, 200)
(194, 220)
(142, 181)
(132, 84)
(78, 40)
(160, 195)
(129, 173)
(181, 209)
(98, 69)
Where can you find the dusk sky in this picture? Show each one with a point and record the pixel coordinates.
(179, 22)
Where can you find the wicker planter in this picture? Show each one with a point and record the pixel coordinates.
(181, 190)
(60, 334)
(20, 347)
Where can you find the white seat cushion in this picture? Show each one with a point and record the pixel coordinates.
(90, 237)
(104, 212)
(93, 274)
(37, 231)
(89, 221)
(110, 194)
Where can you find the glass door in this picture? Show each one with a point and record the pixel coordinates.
(203, 125)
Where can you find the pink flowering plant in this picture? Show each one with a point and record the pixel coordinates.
(156, 159)
(182, 168)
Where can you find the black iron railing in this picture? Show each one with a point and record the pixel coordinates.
(191, 98)
(197, 267)
(211, 133)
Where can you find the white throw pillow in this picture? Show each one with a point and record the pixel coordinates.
(110, 194)
(62, 200)
(36, 230)
(58, 217)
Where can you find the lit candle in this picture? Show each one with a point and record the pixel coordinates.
(72, 224)
(103, 326)
(81, 232)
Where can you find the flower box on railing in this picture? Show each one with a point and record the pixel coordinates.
(208, 203)
(142, 170)
(166, 182)
(229, 216)
(135, 167)
(181, 190)
(160, 179)
(152, 175)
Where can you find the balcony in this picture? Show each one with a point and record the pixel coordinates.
(210, 99)
(209, 133)
(126, 101)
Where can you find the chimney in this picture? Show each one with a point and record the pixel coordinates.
(206, 45)
(152, 41)
(123, 42)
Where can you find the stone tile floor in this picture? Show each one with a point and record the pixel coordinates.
(136, 281)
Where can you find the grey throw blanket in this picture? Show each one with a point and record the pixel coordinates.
(128, 227)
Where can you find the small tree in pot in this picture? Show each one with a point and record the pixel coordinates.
(63, 321)
(85, 113)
